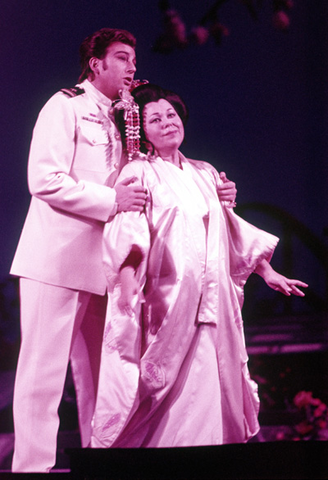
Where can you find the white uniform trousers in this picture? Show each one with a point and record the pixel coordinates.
(57, 325)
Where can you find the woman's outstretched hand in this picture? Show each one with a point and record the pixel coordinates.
(278, 282)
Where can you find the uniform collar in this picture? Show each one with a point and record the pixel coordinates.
(96, 94)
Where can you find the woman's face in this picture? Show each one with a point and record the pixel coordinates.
(163, 127)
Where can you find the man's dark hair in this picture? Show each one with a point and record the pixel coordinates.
(96, 45)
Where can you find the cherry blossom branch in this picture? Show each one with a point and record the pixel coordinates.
(175, 35)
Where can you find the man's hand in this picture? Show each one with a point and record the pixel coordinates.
(130, 197)
(227, 191)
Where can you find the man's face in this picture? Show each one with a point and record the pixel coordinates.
(116, 70)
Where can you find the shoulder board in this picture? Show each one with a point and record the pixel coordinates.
(73, 91)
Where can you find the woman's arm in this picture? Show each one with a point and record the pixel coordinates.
(278, 282)
(129, 288)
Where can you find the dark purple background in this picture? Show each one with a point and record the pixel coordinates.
(258, 103)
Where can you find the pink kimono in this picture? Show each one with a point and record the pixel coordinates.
(175, 373)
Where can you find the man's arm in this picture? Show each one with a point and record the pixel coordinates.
(51, 161)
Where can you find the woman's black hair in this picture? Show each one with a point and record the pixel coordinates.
(149, 92)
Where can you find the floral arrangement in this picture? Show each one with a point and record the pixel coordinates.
(314, 425)
(293, 393)
(175, 33)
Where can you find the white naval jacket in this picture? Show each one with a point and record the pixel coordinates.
(75, 149)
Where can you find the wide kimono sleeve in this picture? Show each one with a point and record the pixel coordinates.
(120, 362)
(126, 231)
(234, 246)
(248, 245)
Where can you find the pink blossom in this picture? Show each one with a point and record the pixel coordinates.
(303, 428)
(302, 399)
(316, 401)
(280, 20)
(320, 410)
(322, 424)
(199, 35)
(175, 27)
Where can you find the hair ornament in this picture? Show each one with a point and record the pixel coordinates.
(131, 119)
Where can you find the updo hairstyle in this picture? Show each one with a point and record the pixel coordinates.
(148, 93)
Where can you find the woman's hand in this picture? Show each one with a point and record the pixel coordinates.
(129, 288)
(278, 282)
(227, 191)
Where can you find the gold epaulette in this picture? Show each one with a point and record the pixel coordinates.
(73, 91)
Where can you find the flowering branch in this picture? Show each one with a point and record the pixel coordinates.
(175, 34)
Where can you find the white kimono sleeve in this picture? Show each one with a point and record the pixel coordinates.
(125, 230)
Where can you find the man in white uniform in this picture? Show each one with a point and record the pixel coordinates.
(75, 156)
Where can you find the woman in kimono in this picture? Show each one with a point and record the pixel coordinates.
(174, 363)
